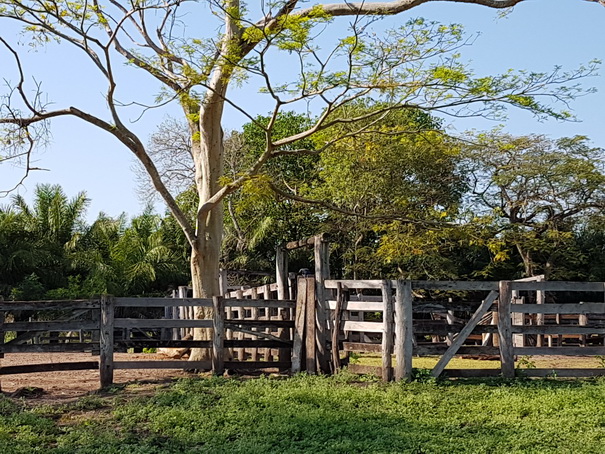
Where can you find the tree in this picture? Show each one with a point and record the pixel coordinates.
(415, 66)
(537, 190)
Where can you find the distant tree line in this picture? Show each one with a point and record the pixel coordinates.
(398, 197)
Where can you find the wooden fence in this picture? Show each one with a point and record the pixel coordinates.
(328, 322)
(96, 326)
(392, 321)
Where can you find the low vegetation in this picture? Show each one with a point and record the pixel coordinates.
(339, 414)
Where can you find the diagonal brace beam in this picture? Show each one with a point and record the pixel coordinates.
(464, 333)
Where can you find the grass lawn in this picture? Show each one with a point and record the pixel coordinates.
(340, 414)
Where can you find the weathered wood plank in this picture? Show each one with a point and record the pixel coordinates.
(350, 284)
(49, 367)
(464, 333)
(419, 306)
(163, 302)
(299, 325)
(151, 323)
(505, 334)
(404, 331)
(436, 349)
(336, 319)
(233, 324)
(558, 286)
(49, 348)
(176, 364)
(70, 325)
(387, 333)
(557, 329)
(364, 306)
(202, 302)
(368, 327)
(106, 341)
(456, 285)
(310, 344)
(581, 308)
(321, 252)
(50, 305)
(428, 285)
(361, 347)
(218, 336)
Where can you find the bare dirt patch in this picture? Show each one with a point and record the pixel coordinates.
(69, 385)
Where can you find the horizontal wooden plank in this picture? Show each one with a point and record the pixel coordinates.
(563, 351)
(559, 286)
(444, 307)
(424, 350)
(49, 367)
(465, 350)
(418, 306)
(249, 303)
(561, 373)
(255, 343)
(71, 325)
(48, 305)
(202, 302)
(581, 308)
(456, 285)
(557, 329)
(366, 327)
(49, 348)
(234, 343)
(150, 323)
(361, 347)
(259, 323)
(184, 365)
(155, 343)
(358, 306)
(163, 302)
(349, 283)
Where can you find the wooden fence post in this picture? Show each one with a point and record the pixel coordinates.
(505, 335)
(387, 331)
(337, 315)
(403, 330)
(106, 340)
(281, 272)
(322, 272)
(299, 325)
(310, 341)
(540, 299)
(218, 335)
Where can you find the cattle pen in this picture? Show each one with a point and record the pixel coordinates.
(326, 323)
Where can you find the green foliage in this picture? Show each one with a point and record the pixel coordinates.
(343, 413)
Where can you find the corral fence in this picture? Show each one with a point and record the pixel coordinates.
(400, 319)
(243, 335)
(329, 321)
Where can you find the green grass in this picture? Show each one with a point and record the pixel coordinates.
(340, 414)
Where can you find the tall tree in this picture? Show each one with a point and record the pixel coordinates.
(414, 66)
(537, 190)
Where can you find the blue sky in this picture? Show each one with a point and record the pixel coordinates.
(536, 35)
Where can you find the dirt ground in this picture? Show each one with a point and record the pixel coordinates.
(68, 385)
